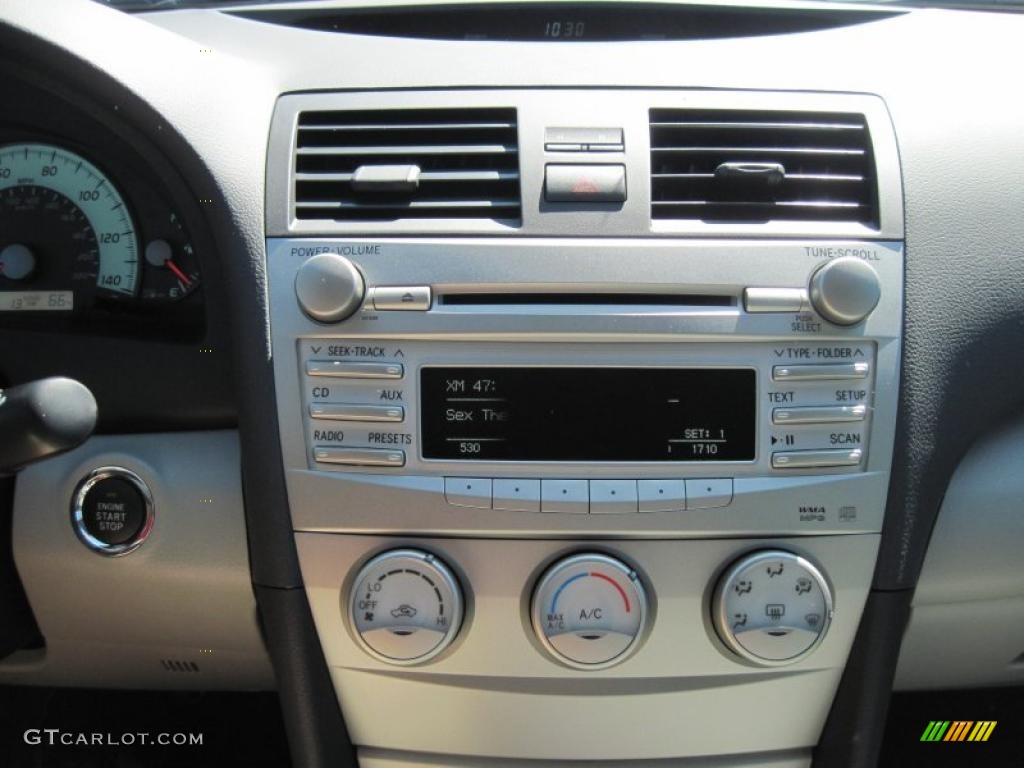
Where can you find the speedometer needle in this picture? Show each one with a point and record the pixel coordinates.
(180, 275)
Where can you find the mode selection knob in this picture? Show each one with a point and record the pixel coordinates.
(329, 287)
(589, 611)
(405, 606)
(772, 607)
(845, 290)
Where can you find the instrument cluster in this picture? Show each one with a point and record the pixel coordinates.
(95, 236)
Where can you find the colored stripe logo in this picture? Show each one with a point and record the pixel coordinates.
(958, 730)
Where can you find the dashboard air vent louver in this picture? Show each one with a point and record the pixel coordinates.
(740, 167)
(400, 164)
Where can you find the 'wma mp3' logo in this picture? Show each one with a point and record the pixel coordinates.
(958, 730)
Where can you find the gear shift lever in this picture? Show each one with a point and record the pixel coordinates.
(43, 418)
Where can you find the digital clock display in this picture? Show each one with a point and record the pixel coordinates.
(565, 29)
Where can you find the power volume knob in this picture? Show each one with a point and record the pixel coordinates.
(845, 290)
(329, 288)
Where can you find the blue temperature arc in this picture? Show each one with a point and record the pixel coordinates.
(567, 582)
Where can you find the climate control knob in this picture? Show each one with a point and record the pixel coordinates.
(845, 290)
(772, 607)
(589, 611)
(329, 288)
(405, 606)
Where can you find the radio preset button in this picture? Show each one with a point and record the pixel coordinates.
(708, 494)
(564, 496)
(361, 457)
(518, 495)
(352, 412)
(472, 492)
(823, 414)
(758, 300)
(413, 298)
(661, 495)
(820, 372)
(346, 370)
(816, 459)
(613, 496)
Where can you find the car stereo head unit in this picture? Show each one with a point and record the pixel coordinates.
(758, 377)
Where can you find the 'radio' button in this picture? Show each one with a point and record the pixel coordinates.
(564, 496)
(517, 495)
(661, 495)
(472, 492)
(360, 457)
(612, 496)
(708, 494)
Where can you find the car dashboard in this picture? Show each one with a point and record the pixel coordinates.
(520, 383)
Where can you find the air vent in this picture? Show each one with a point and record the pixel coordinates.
(400, 164)
(729, 166)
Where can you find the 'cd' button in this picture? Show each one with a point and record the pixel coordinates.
(114, 511)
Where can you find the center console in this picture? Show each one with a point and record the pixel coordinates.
(587, 403)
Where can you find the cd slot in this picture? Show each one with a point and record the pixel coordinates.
(587, 299)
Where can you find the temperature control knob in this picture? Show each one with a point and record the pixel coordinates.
(589, 611)
(772, 607)
(329, 287)
(405, 606)
(845, 290)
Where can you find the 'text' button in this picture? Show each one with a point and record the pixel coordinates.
(612, 496)
(661, 495)
(468, 492)
(564, 496)
(517, 495)
(706, 494)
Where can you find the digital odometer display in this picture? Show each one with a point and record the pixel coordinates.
(588, 414)
(36, 301)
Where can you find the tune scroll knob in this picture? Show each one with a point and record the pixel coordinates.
(845, 291)
(329, 288)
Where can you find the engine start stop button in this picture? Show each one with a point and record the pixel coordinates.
(112, 511)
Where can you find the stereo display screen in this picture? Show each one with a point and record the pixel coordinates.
(588, 414)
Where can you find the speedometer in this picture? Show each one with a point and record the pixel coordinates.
(66, 235)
